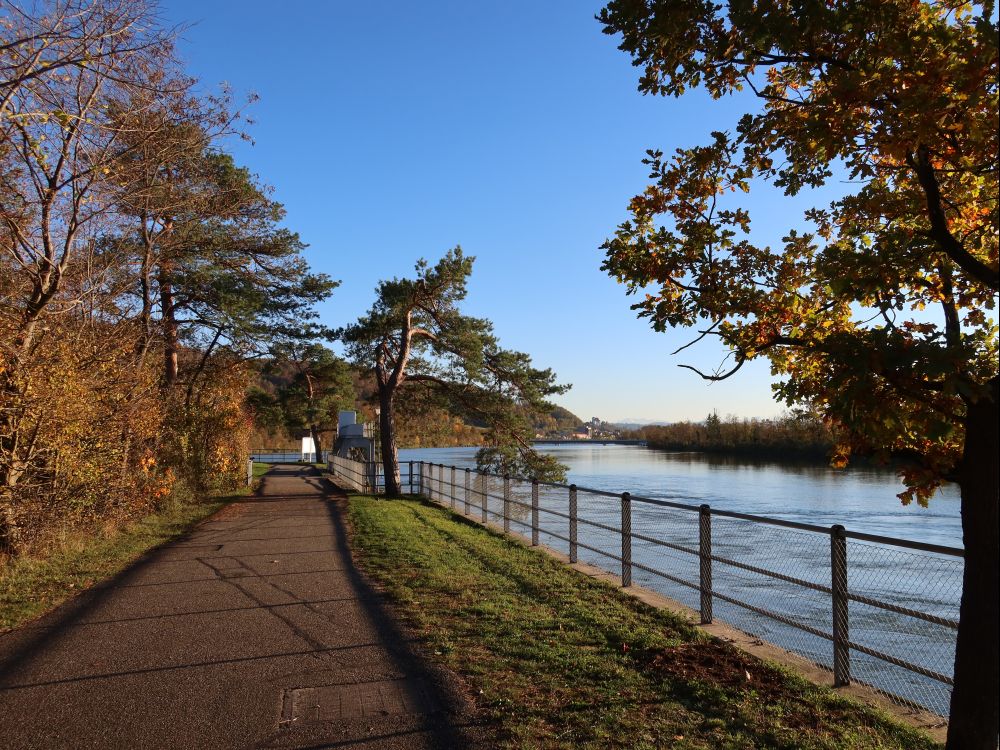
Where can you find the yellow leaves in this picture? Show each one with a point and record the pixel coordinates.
(840, 458)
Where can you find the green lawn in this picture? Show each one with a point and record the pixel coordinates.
(559, 660)
(31, 586)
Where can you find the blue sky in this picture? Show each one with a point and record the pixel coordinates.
(397, 130)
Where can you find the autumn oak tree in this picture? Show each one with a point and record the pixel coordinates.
(416, 336)
(876, 307)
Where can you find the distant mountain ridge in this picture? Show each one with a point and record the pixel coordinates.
(635, 424)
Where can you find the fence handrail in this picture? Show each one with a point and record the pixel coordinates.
(752, 517)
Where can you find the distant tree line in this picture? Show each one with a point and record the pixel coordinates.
(800, 437)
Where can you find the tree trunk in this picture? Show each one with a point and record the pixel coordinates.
(12, 458)
(146, 287)
(317, 443)
(973, 724)
(170, 345)
(387, 436)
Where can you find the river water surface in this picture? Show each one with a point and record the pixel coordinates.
(862, 499)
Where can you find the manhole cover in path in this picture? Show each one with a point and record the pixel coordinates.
(362, 700)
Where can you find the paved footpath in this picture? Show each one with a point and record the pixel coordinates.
(255, 630)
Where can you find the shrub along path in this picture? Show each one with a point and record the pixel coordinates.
(559, 660)
(255, 630)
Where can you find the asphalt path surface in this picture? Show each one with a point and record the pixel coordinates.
(256, 630)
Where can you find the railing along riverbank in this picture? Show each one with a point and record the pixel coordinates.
(281, 455)
(871, 609)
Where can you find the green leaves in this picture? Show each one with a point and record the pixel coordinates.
(416, 335)
(312, 385)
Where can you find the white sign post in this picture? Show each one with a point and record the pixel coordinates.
(308, 450)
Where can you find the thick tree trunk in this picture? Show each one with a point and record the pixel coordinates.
(973, 724)
(387, 436)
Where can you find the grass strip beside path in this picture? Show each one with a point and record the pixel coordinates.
(563, 661)
(30, 587)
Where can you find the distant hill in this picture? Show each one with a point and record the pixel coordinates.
(559, 420)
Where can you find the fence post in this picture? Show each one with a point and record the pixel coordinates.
(534, 512)
(506, 503)
(410, 477)
(841, 621)
(705, 558)
(626, 539)
(249, 471)
(468, 485)
(451, 493)
(572, 523)
(484, 493)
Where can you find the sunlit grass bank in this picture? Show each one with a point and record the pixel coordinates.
(559, 660)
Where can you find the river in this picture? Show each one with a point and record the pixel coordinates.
(862, 499)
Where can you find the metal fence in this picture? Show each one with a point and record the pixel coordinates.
(280, 455)
(871, 609)
(369, 476)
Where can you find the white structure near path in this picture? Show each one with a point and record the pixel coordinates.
(308, 449)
